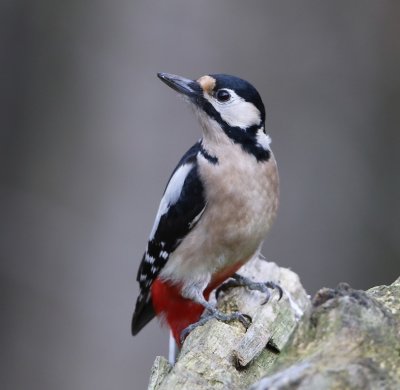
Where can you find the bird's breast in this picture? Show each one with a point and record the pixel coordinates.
(242, 200)
(242, 197)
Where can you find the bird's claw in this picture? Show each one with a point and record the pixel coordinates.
(230, 283)
(241, 281)
(244, 319)
(275, 286)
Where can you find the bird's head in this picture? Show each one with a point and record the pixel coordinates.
(225, 104)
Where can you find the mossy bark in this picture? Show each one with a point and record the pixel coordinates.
(343, 338)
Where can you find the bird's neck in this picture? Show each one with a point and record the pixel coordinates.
(253, 140)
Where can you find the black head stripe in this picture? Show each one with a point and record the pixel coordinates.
(204, 153)
(242, 88)
(246, 138)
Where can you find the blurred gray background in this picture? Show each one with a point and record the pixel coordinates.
(89, 136)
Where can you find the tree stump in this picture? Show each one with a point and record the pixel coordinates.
(343, 338)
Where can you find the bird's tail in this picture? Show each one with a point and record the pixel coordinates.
(144, 312)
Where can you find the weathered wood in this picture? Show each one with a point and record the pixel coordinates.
(349, 340)
(343, 338)
(211, 353)
(159, 371)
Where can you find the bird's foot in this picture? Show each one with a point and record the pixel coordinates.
(214, 313)
(241, 281)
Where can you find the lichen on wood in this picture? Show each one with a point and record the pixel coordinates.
(343, 338)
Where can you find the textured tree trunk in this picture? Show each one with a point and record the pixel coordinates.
(343, 338)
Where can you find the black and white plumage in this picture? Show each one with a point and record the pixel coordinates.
(217, 207)
(181, 206)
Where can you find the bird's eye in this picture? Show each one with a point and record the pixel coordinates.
(222, 95)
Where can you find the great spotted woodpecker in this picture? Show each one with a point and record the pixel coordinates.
(217, 207)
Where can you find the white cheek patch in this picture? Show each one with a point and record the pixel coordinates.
(237, 112)
(263, 139)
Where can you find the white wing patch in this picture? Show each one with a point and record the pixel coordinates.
(172, 193)
(149, 259)
(164, 254)
(196, 219)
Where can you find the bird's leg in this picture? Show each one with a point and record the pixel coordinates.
(212, 312)
(241, 281)
(172, 349)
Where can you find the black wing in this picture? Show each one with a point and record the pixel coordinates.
(181, 207)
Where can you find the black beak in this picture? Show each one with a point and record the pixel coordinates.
(189, 88)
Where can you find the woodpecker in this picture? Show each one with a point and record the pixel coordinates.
(218, 205)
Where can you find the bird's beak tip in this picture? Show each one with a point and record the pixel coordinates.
(180, 84)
